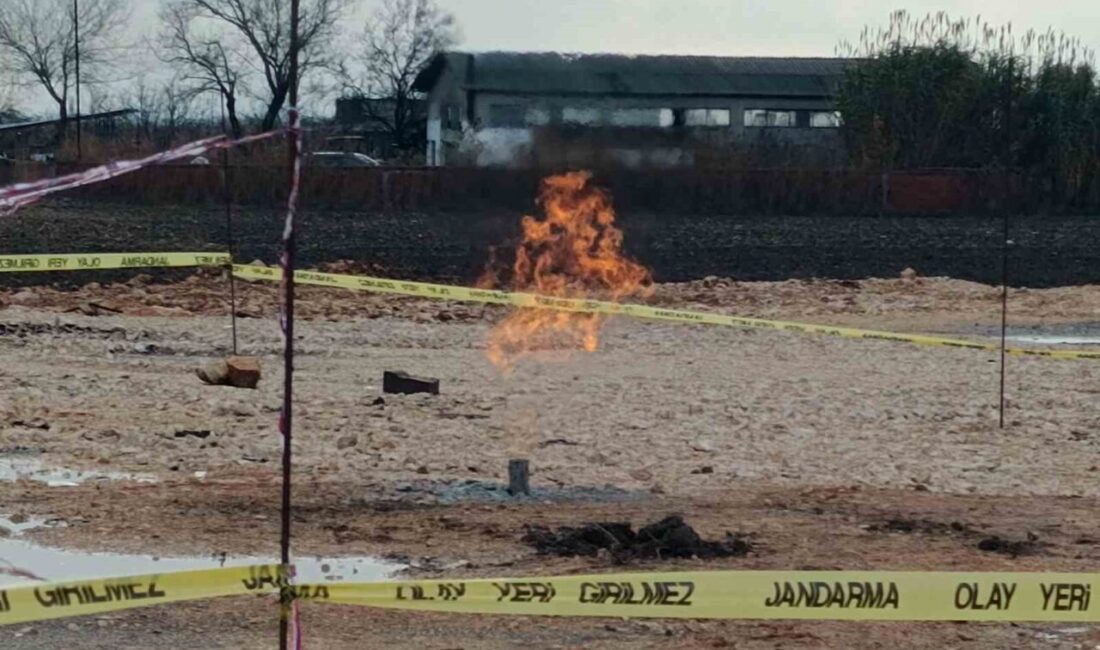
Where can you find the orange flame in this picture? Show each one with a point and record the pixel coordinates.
(575, 251)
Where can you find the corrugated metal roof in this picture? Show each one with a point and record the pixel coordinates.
(619, 74)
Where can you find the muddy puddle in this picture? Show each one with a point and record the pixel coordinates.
(18, 469)
(16, 525)
(1080, 334)
(24, 562)
(1055, 339)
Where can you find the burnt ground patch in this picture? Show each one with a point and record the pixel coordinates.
(921, 526)
(990, 543)
(1011, 547)
(670, 537)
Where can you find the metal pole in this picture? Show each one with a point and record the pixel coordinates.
(293, 161)
(1005, 186)
(1004, 305)
(227, 188)
(76, 52)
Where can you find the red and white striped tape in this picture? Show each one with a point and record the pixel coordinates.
(286, 260)
(19, 195)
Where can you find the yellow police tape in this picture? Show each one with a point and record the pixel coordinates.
(821, 595)
(817, 595)
(42, 601)
(448, 292)
(89, 262)
(101, 261)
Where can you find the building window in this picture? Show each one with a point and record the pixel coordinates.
(509, 116)
(767, 117)
(635, 117)
(825, 119)
(452, 118)
(582, 116)
(707, 117)
(539, 116)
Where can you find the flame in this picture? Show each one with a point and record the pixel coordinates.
(574, 251)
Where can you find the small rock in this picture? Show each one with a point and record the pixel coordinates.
(404, 383)
(160, 311)
(93, 309)
(243, 372)
(705, 469)
(703, 446)
(215, 373)
(104, 435)
(140, 280)
(24, 297)
(423, 469)
(144, 348)
(347, 442)
(909, 274)
(18, 518)
(243, 410)
(201, 434)
(643, 475)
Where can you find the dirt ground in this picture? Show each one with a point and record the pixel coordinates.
(824, 453)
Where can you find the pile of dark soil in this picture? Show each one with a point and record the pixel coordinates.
(669, 537)
(923, 526)
(1012, 548)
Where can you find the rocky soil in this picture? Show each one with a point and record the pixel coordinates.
(819, 452)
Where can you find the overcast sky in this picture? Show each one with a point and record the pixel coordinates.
(719, 27)
(730, 27)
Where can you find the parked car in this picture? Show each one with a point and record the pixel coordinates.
(340, 159)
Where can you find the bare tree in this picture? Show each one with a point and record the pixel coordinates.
(205, 58)
(36, 38)
(162, 110)
(100, 97)
(399, 40)
(147, 104)
(9, 109)
(263, 27)
(177, 103)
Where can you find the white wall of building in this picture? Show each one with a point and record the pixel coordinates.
(477, 140)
